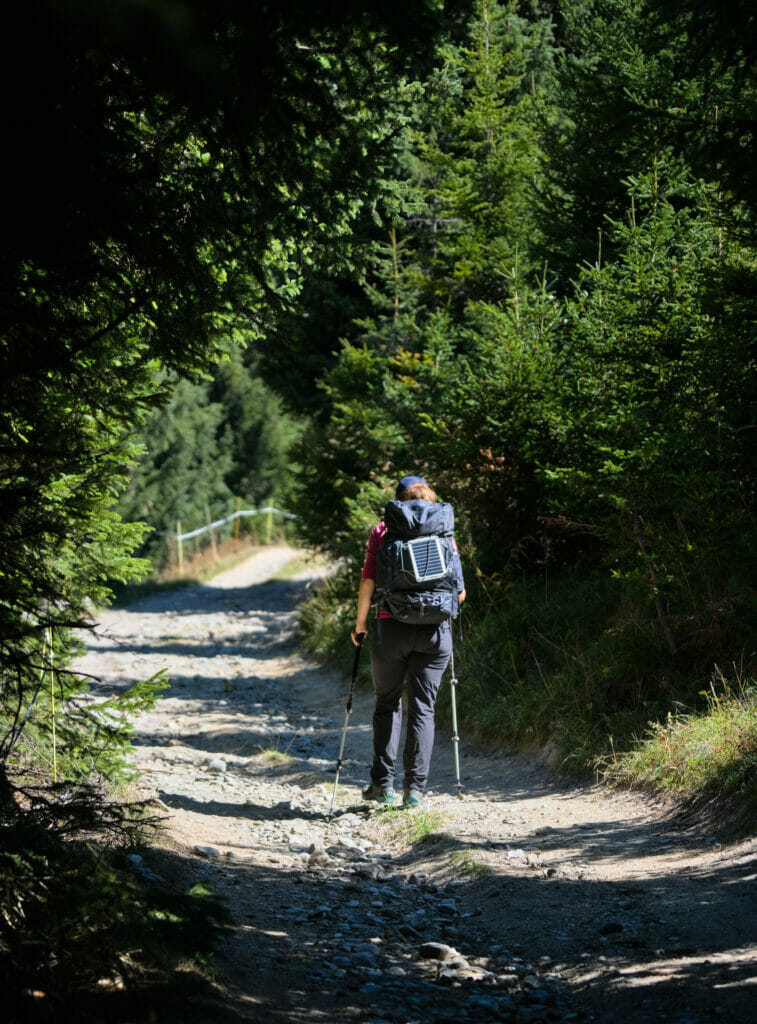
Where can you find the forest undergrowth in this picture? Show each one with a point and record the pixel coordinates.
(82, 923)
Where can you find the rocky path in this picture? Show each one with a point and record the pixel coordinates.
(532, 899)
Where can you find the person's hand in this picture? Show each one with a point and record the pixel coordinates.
(461, 596)
(358, 634)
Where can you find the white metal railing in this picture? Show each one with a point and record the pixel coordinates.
(227, 519)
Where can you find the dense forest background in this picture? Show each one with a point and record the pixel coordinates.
(296, 251)
(558, 330)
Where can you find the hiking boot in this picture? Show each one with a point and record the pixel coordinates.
(379, 794)
(411, 798)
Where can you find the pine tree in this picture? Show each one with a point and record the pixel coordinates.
(255, 431)
(212, 443)
(654, 407)
(445, 278)
(479, 154)
(716, 56)
(613, 85)
(185, 464)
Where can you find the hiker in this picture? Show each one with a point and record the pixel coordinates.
(412, 637)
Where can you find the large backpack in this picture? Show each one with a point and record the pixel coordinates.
(415, 581)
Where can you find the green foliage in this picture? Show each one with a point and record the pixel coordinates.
(188, 165)
(715, 60)
(87, 738)
(653, 409)
(256, 431)
(184, 466)
(563, 662)
(418, 826)
(63, 550)
(478, 155)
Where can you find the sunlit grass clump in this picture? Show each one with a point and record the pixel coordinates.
(711, 753)
(274, 757)
(418, 826)
(469, 866)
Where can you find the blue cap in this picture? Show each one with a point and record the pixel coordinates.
(408, 481)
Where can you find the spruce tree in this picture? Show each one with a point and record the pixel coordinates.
(184, 466)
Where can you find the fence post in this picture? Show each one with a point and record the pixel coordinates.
(52, 703)
(212, 535)
(269, 523)
(179, 548)
(236, 523)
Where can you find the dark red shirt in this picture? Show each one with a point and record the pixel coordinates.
(376, 540)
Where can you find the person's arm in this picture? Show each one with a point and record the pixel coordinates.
(457, 569)
(364, 597)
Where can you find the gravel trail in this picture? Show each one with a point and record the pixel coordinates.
(531, 899)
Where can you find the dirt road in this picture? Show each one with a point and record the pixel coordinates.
(532, 899)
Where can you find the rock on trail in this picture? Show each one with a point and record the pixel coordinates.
(533, 899)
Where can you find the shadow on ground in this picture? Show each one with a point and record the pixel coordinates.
(294, 927)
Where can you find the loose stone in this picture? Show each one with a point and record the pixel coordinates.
(611, 928)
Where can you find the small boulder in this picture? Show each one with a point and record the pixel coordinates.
(208, 852)
(437, 951)
(318, 859)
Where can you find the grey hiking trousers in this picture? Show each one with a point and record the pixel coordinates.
(419, 654)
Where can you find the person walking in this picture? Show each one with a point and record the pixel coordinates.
(413, 572)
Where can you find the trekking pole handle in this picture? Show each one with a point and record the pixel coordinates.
(359, 643)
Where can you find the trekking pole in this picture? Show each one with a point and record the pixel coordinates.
(360, 638)
(455, 737)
